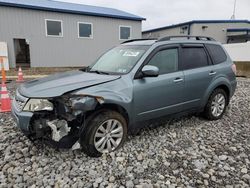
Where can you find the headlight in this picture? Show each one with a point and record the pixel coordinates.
(34, 105)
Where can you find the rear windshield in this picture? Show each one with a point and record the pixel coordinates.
(119, 60)
(217, 53)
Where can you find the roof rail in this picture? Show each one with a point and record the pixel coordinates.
(188, 37)
(133, 40)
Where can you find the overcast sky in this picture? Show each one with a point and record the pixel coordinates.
(167, 12)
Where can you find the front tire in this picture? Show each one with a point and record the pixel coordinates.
(105, 132)
(216, 105)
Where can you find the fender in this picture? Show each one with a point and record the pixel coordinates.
(216, 82)
(111, 96)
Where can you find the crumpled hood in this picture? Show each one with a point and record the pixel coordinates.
(58, 84)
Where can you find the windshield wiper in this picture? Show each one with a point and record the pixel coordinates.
(98, 72)
(84, 69)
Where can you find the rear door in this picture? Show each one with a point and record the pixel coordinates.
(198, 72)
(162, 95)
(221, 66)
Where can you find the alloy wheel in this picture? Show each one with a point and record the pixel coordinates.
(108, 136)
(218, 104)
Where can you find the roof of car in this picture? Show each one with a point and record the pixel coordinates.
(141, 42)
(169, 40)
(72, 8)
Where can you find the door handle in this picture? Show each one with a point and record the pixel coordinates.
(212, 73)
(177, 80)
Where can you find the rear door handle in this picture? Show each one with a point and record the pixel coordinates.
(212, 73)
(177, 80)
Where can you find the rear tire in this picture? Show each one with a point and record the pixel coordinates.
(105, 132)
(216, 105)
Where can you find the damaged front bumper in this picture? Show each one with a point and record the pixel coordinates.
(22, 119)
(61, 127)
(56, 132)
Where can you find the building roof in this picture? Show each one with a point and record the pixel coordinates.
(63, 7)
(238, 29)
(196, 22)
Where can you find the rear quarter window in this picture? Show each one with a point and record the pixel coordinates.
(217, 53)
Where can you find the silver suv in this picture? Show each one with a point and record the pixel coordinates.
(127, 87)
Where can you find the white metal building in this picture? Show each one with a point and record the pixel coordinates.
(225, 31)
(46, 33)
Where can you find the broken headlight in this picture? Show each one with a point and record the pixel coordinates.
(34, 105)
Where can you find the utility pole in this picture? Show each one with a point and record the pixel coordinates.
(233, 16)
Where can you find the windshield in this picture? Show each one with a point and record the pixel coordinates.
(119, 60)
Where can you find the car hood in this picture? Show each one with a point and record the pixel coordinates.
(58, 84)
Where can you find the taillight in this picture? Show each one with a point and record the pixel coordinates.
(234, 68)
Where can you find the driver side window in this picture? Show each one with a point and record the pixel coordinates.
(166, 60)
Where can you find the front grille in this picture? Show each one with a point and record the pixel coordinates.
(20, 101)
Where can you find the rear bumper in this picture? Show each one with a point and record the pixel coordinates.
(233, 87)
(22, 119)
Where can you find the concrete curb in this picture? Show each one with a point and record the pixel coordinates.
(27, 76)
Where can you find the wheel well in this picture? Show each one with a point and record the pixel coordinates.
(116, 108)
(226, 89)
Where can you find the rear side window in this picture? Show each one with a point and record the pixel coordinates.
(165, 60)
(194, 57)
(217, 53)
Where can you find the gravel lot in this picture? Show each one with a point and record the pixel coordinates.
(190, 152)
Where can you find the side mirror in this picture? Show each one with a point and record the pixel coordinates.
(150, 71)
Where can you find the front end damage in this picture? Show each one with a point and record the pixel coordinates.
(62, 127)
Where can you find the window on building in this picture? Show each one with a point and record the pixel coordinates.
(125, 32)
(165, 60)
(204, 27)
(85, 30)
(217, 53)
(183, 29)
(54, 28)
(194, 57)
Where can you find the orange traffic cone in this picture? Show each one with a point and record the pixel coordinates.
(20, 75)
(5, 99)
(3, 70)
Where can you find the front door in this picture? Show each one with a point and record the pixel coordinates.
(22, 53)
(162, 95)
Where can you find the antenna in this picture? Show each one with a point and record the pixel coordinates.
(233, 16)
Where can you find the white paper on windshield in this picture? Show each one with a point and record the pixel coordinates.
(131, 54)
(122, 70)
